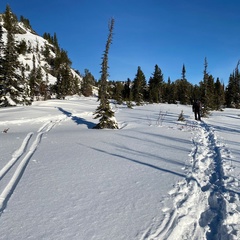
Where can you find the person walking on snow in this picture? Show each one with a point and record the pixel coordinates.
(197, 110)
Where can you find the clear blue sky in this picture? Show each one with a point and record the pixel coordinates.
(147, 32)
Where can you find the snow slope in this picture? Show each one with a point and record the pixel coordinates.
(155, 178)
(37, 44)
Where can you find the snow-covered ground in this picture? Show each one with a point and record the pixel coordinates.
(154, 178)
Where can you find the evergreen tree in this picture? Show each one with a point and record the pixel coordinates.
(219, 95)
(156, 85)
(87, 84)
(10, 20)
(75, 85)
(209, 96)
(37, 85)
(127, 93)
(46, 53)
(64, 79)
(22, 47)
(168, 93)
(183, 88)
(104, 111)
(139, 85)
(32, 79)
(26, 23)
(12, 82)
(183, 72)
(118, 92)
(66, 83)
(55, 42)
(2, 92)
(127, 90)
(203, 90)
(233, 89)
(26, 90)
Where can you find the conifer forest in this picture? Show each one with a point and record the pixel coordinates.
(34, 67)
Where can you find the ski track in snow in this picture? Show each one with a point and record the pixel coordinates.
(206, 203)
(12, 184)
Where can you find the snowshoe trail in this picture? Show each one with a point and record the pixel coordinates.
(26, 155)
(205, 205)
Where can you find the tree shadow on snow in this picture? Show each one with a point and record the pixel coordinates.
(76, 119)
(139, 162)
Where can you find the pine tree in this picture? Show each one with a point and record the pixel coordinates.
(139, 85)
(210, 92)
(10, 20)
(32, 79)
(2, 92)
(155, 86)
(12, 81)
(104, 111)
(88, 81)
(127, 90)
(118, 92)
(203, 90)
(183, 72)
(233, 89)
(26, 23)
(183, 88)
(64, 79)
(219, 95)
(168, 93)
(127, 93)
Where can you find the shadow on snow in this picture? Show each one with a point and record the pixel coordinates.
(76, 119)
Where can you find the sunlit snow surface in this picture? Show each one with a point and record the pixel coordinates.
(154, 178)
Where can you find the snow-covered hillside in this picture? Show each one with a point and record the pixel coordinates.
(36, 43)
(39, 63)
(154, 178)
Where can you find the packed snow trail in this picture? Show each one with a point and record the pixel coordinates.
(9, 188)
(206, 203)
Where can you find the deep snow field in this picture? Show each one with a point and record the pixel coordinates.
(154, 178)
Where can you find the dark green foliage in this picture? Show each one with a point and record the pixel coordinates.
(210, 93)
(169, 92)
(204, 92)
(10, 20)
(67, 83)
(27, 24)
(19, 83)
(52, 40)
(139, 87)
(11, 83)
(2, 91)
(219, 96)
(37, 85)
(233, 89)
(46, 54)
(64, 79)
(62, 58)
(104, 111)
(156, 86)
(22, 47)
(118, 92)
(16, 88)
(127, 90)
(127, 93)
(183, 89)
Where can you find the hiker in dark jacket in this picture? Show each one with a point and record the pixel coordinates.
(197, 110)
